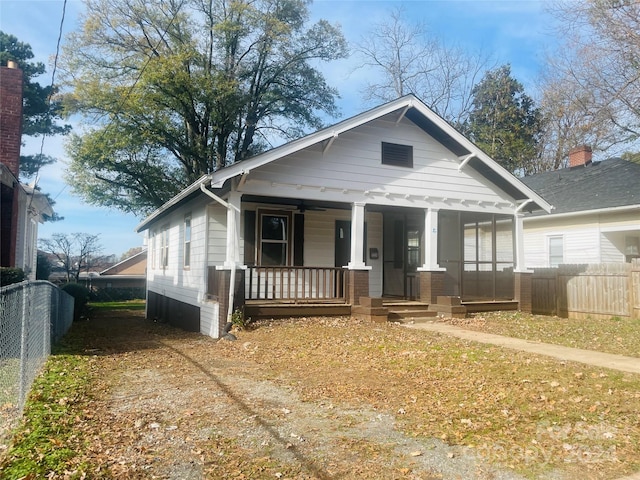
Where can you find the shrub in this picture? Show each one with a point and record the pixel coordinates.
(9, 275)
(80, 293)
(117, 294)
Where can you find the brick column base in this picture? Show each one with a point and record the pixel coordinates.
(357, 285)
(522, 291)
(431, 286)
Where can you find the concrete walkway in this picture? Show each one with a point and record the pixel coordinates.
(589, 357)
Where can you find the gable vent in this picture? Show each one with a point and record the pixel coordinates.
(397, 155)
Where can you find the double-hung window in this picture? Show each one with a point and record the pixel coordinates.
(164, 246)
(187, 241)
(274, 237)
(556, 250)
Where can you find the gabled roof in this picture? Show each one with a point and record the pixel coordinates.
(127, 263)
(469, 155)
(607, 184)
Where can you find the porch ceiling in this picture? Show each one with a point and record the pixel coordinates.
(301, 205)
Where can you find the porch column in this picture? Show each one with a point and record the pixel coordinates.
(519, 263)
(232, 257)
(522, 276)
(357, 237)
(431, 275)
(430, 241)
(357, 281)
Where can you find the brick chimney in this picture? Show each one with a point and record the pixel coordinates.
(10, 116)
(580, 156)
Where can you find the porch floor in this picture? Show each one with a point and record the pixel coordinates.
(399, 309)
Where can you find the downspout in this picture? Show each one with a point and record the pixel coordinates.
(232, 280)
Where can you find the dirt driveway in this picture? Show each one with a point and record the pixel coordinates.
(176, 405)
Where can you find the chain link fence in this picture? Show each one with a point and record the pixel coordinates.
(33, 316)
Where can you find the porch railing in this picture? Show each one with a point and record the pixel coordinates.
(295, 283)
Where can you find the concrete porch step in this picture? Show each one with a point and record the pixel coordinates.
(424, 317)
(409, 311)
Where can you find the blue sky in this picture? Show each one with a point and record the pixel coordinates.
(512, 31)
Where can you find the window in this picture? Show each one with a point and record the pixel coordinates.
(164, 246)
(631, 248)
(556, 251)
(152, 249)
(397, 155)
(275, 231)
(187, 241)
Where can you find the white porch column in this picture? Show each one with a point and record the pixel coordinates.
(430, 241)
(357, 237)
(232, 257)
(519, 262)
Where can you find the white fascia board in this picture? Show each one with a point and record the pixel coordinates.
(582, 213)
(245, 166)
(144, 225)
(495, 166)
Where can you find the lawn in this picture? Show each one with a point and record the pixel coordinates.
(615, 335)
(531, 415)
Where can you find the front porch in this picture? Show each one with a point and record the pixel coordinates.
(277, 292)
(394, 310)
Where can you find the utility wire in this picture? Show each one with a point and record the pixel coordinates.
(53, 79)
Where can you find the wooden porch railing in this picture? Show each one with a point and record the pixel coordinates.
(295, 283)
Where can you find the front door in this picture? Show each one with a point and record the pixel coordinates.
(402, 250)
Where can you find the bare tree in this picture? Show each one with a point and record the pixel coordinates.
(76, 253)
(568, 121)
(406, 59)
(595, 89)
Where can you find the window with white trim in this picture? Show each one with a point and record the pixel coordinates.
(153, 243)
(274, 237)
(556, 250)
(164, 246)
(187, 241)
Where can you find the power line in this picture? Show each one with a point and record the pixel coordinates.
(53, 78)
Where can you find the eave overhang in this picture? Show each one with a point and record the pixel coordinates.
(408, 106)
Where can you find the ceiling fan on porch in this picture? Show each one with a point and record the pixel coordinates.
(303, 206)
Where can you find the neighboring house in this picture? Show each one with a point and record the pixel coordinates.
(596, 215)
(22, 207)
(391, 203)
(129, 273)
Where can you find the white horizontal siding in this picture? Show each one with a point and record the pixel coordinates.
(354, 162)
(209, 319)
(319, 243)
(175, 281)
(587, 238)
(217, 235)
(612, 246)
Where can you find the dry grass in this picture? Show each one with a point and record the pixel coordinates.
(168, 401)
(529, 412)
(615, 335)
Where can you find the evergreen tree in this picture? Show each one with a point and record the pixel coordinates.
(39, 114)
(504, 121)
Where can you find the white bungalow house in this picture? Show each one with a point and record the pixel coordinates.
(393, 203)
(596, 214)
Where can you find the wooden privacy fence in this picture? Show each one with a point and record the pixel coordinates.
(580, 291)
